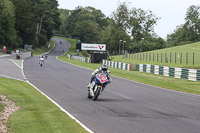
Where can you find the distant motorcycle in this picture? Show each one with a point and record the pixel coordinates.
(45, 55)
(98, 85)
(41, 61)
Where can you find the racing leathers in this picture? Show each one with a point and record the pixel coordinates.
(99, 70)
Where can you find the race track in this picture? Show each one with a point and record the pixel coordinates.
(124, 107)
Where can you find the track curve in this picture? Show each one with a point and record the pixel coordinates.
(124, 107)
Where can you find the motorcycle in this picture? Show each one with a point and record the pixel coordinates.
(97, 86)
(41, 61)
(45, 55)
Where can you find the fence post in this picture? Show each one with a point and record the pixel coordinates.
(153, 57)
(175, 57)
(193, 58)
(157, 57)
(161, 57)
(146, 56)
(181, 58)
(149, 56)
(170, 57)
(143, 56)
(187, 58)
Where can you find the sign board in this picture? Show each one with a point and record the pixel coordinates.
(93, 47)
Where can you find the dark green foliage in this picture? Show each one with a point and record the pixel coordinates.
(27, 22)
(85, 23)
(8, 35)
(189, 31)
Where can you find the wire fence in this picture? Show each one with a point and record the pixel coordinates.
(186, 58)
(178, 58)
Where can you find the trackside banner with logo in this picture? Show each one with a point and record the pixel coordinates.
(95, 47)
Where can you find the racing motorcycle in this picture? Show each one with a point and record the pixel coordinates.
(41, 61)
(97, 86)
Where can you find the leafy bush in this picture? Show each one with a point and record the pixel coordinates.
(85, 53)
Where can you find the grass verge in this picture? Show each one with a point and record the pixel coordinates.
(166, 57)
(42, 49)
(1, 106)
(37, 114)
(18, 62)
(151, 79)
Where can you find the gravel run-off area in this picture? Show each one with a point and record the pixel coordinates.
(9, 108)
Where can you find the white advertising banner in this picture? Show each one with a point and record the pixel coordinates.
(95, 47)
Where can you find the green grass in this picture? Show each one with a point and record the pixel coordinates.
(1, 106)
(37, 114)
(2, 53)
(147, 57)
(151, 79)
(18, 62)
(42, 49)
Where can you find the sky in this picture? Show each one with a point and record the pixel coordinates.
(171, 12)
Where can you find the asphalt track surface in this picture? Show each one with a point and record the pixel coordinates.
(8, 68)
(124, 107)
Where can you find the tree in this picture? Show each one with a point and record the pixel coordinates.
(142, 23)
(8, 35)
(47, 18)
(25, 22)
(86, 24)
(189, 31)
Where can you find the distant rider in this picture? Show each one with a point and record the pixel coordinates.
(45, 55)
(41, 59)
(102, 69)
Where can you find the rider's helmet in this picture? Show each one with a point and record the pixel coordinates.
(104, 67)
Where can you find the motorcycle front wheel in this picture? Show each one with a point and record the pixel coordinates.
(96, 93)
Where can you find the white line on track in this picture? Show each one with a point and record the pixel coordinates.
(136, 81)
(5, 55)
(10, 77)
(61, 108)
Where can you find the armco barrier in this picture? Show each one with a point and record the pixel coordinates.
(120, 65)
(189, 74)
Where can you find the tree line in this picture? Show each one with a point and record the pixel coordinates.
(29, 22)
(188, 32)
(35, 22)
(131, 28)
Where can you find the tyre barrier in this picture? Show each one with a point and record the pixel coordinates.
(120, 65)
(189, 74)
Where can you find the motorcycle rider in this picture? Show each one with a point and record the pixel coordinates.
(41, 59)
(45, 55)
(102, 69)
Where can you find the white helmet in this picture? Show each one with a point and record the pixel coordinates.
(104, 67)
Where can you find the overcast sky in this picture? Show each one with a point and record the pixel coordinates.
(171, 12)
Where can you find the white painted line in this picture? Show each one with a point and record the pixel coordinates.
(61, 108)
(135, 81)
(15, 63)
(5, 55)
(86, 128)
(10, 77)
